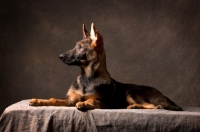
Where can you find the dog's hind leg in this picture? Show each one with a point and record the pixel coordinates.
(142, 106)
(133, 104)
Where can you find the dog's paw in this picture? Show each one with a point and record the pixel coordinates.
(81, 106)
(159, 107)
(34, 102)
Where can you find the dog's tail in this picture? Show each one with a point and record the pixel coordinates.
(172, 105)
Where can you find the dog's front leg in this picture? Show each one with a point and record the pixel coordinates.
(50, 102)
(89, 104)
(71, 99)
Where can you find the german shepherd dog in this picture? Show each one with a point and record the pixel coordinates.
(95, 89)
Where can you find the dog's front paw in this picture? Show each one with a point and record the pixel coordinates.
(34, 102)
(81, 106)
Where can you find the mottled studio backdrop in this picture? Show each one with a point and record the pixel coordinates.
(149, 42)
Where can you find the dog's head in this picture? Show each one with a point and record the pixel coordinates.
(85, 50)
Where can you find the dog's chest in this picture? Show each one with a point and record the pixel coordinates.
(90, 86)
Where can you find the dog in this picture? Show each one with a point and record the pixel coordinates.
(95, 89)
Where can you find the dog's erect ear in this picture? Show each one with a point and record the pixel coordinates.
(93, 36)
(85, 32)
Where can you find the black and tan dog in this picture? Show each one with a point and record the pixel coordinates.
(94, 88)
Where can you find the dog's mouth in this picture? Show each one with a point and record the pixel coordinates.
(73, 62)
(70, 61)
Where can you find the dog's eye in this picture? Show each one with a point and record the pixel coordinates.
(79, 46)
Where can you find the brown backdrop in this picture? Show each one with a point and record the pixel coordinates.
(153, 42)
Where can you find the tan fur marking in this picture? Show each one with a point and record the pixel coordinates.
(134, 105)
(88, 70)
(130, 100)
(93, 104)
(73, 96)
(90, 104)
(50, 102)
(94, 96)
(93, 44)
(141, 106)
(148, 106)
(80, 90)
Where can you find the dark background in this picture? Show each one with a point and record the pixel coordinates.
(149, 42)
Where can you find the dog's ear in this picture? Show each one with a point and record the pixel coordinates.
(93, 33)
(85, 32)
(93, 36)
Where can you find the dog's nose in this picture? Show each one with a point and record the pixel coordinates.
(62, 57)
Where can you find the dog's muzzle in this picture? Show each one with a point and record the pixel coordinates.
(69, 60)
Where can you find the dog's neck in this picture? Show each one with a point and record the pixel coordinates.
(96, 69)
